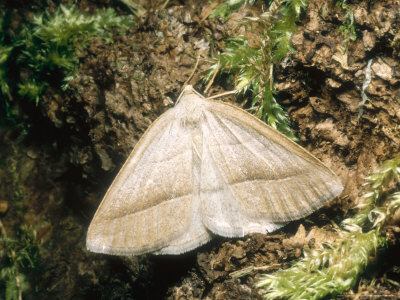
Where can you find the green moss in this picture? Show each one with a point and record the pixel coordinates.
(348, 27)
(337, 266)
(224, 9)
(252, 65)
(45, 51)
(18, 256)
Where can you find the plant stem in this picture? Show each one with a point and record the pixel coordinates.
(17, 279)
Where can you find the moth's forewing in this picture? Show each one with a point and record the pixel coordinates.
(149, 204)
(266, 177)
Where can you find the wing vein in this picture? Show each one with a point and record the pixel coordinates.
(262, 159)
(298, 174)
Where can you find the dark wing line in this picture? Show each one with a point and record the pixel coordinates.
(164, 229)
(273, 153)
(142, 201)
(158, 132)
(256, 154)
(261, 127)
(289, 142)
(310, 178)
(139, 148)
(157, 155)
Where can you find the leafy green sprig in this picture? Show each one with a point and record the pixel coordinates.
(45, 51)
(337, 266)
(253, 65)
(224, 9)
(348, 27)
(17, 257)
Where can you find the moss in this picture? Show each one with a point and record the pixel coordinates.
(18, 256)
(44, 52)
(337, 266)
(348, 27)
(224, 9)
(253, 65)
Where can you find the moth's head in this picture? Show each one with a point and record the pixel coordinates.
(188, 89)
(189, 95)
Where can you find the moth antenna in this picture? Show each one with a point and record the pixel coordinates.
(212, 78)
(185, 89)
(222, 95)
(194, 70)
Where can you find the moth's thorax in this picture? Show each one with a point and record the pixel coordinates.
(190, 109)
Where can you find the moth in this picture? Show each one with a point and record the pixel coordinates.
(206, 168)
